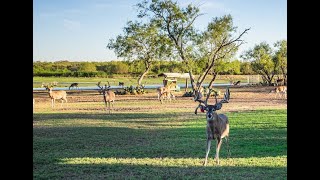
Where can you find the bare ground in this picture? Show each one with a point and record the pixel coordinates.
(242, 98)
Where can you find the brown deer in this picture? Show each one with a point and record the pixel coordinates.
(280, 90)
(74, 85)
(108, 95)
(217, 124)
(56, 95)
(165, 93)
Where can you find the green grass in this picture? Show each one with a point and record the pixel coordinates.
(156, 145)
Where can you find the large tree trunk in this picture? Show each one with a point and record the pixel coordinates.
(148, 67)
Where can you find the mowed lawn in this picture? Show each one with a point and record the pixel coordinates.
(165, 143)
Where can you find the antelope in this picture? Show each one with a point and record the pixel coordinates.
(217, 124)
(108, 95)
(74, 85)
(56, 95)
(280, 90)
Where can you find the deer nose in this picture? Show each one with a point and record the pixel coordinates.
(209, 116)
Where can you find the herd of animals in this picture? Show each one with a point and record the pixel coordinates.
(164, 93)
(217, 124)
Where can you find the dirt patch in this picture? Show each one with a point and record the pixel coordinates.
(241, 98)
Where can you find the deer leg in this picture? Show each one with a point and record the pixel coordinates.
(207, 151)
(228, 147)
(209, 139)
(109, 107)
(173, 97)
(52, 103)
(219, 142)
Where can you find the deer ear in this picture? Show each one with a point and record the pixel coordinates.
(218, 106)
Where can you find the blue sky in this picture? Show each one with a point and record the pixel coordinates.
(79, 30)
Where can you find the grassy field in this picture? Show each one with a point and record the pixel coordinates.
(83, 82)
(139, 141)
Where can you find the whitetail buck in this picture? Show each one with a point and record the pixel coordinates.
(108, 95)
(217, 124)
(56, 95)
(280, 90)
(74, 85)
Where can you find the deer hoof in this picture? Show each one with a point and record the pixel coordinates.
(204, 163)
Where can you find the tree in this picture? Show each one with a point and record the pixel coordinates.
(177, 23)
(87, 67)
(281, 58)
(246, 68)
(140, 41)
(263, 61)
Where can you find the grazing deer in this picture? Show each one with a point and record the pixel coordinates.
(165, 93)
(280, 90)
(121, 83)
(217, 124)
(56, 95)
(108, 95)
(74, 85)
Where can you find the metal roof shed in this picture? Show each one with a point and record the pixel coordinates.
(175, 75)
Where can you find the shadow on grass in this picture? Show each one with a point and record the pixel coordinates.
(64, 142)
(125, 171)
(153, 137)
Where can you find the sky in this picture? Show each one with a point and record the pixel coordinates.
(79, 30)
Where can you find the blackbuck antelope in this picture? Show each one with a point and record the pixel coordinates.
(74, 85)
(108, 95)
(56, 95)
(217, 124)
(165, 93)
(281, 90)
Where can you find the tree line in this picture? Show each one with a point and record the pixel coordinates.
(261, 59)
(66, 68)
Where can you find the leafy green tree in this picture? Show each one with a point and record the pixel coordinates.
(263, 63)
(140, 41)
(121, 68)
(178, 24)
(246, 68)
(87, 67)
(281, 58)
